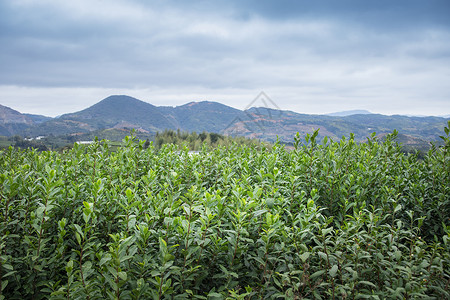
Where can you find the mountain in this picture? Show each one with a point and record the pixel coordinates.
(11, 116)
(12, 121)
(116, 110)
(270, 124)
(123, 113)
(349, 113)
(113, 112)
(201, 116)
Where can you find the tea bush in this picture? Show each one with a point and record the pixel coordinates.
(329, 220)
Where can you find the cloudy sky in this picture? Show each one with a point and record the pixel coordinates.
(390, 57)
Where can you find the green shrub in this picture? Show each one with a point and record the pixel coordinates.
(331, 220)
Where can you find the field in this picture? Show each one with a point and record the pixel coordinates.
(335, 220)
(4, 143)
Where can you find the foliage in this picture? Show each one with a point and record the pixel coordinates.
(19, 142)
(326, 220)
(5, 142)
(195, 141)
(192, 140)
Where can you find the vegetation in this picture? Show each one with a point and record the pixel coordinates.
(5, 142)
(195, 142)
(328, 220)
(192, 140)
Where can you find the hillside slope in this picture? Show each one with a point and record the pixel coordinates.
(201, 116)
(268, 124)
(12, 121)
(117, 111)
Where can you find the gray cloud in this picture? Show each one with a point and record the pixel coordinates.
(312, 56)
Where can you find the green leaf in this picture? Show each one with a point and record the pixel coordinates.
(105, 259)
(259, 212)
(270, 202)
(77, 236)
(397, 254)
(69, 267)
(424, 264)
(367, 283)
(333, 271)
(123, 275)
(78, 229)
(317, 274)
(326, 231)
(3, 285)
(305, 256)
(322, 255)
(87, 266)
(215, 296)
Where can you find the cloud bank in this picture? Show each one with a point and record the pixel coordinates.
(312, 57)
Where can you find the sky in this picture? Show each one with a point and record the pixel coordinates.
(318, 57)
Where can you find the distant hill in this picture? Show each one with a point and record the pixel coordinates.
(268, 124)
(117, 109)
(37, 119)
(12, 121)
(123, 113)
(11, 116)
(349, 113)
(201, 116)
(112, 112)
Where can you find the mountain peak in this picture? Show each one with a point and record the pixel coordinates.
(204, 103)
(116, 106)
(110, 112)
(350, 113)
(121, 100)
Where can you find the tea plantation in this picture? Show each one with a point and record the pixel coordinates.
(328, 220)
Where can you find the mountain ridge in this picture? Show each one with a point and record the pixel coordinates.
(346, 113)
(12, 121)
(125, 112)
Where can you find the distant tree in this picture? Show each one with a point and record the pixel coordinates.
(159, 142)
(214, 137)
(16, 139)
(147, 144)
(195, 141)
(202, 136)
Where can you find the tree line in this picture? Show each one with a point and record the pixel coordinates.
(194, 141)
